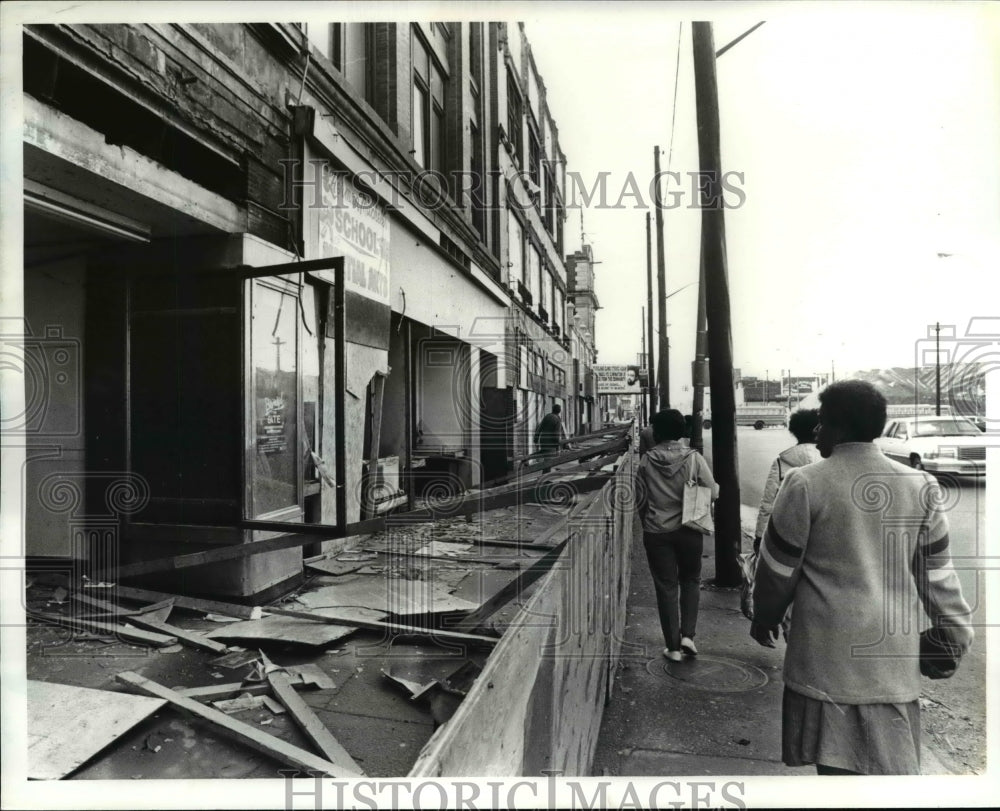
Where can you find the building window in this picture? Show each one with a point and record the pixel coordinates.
(515, 118)
(515, 252)
(428, 106)
(476, 54)
(478, 201)
(351, 48)
(355, 58)
(550, 199)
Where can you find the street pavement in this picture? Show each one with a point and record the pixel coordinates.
(715, 714)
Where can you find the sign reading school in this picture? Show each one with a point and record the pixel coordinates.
(350, 222)
(619, 379)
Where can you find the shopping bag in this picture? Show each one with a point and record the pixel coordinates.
(696, 511)
(748, 569)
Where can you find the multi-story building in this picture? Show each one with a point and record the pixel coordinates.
(284, 273)
(584, 304)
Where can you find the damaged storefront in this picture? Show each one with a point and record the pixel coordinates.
(280, 446)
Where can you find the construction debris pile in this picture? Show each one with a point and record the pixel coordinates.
(351, 674)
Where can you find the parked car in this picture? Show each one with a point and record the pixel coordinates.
(946, 444)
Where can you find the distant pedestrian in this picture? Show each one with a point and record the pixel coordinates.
(646, 440)
(550, 431)
(857, 541)
(802, 425)
(673, 551)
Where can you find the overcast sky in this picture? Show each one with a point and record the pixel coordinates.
(869, 143)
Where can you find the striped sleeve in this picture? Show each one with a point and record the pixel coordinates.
(937, 581)
(781, 551)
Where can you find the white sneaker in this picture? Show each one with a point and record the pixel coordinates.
(672, 655)
(687, 645)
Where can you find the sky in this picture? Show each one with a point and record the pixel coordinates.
(868, 140)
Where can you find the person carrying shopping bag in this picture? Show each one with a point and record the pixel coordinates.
(672, 550)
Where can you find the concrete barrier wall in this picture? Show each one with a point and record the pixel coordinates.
(537, 705)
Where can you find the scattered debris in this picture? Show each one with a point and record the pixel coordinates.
(237, 657)
(444, 549)
(221, 618)
(240, 703)
(172, 649)
(355, 555)
(743, 741)
(251, 736)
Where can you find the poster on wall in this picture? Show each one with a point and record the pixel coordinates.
(623, 379)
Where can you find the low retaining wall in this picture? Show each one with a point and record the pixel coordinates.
(539, 701)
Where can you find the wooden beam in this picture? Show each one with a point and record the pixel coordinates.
(244, 612)
(515, 587)
(251, 736)
(397, 628)
(106, 628)
(310, 724)
(192, 639)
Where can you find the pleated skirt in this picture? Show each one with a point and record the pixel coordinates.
(863, 738)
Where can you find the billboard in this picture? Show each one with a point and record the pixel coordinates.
(619, 379)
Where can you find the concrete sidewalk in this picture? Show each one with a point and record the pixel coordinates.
(716, 714)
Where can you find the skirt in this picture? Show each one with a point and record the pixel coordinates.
(862, 738)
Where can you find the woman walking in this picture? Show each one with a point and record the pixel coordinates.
(860, 544)
(673, 551)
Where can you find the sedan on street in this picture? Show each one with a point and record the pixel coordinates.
(946, 444)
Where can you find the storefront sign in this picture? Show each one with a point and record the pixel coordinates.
(350, 222)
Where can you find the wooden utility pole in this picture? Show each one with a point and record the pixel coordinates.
(728, 533)
(663, 378)
(644, 412)
(699, 369)
(651, 368)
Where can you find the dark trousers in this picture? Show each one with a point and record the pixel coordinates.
(675, 564)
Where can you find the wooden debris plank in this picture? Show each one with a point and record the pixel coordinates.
(310, 724)
(214, 692)
(68, 725)
(244, 612)
(108, 629)
(192, 639)
(389, 627)
(516, 586)
(251, 736)
(149, 611)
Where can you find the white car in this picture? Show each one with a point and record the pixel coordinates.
(945, 444)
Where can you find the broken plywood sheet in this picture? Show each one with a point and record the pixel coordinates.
(283, 629)
(388, 596)
(68, 725)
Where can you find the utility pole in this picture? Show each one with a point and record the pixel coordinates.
(663, 378)
(699, 369)
(643, 406)
(937, 369)
(651, 368)
(728, 532)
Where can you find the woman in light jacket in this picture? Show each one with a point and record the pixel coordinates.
(802, 425)
(674, 552)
